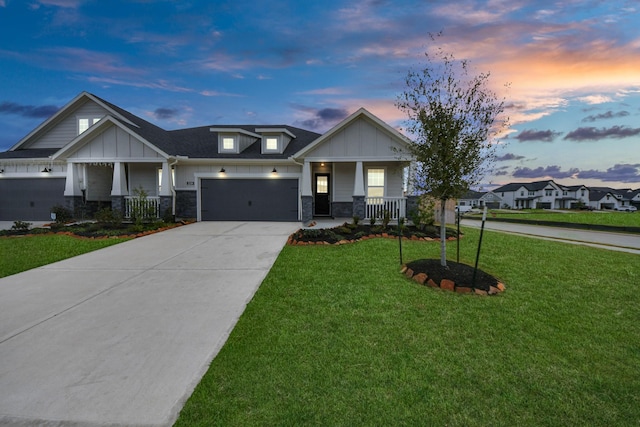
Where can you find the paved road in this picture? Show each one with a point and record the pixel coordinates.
(612, 241)
(121, 336)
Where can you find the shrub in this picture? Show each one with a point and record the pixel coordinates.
(356, 220)
(21, 226)
(344, 230)
(424, 215)
(63, 215)
(108, 216)
(372, 221)
(168, 217)
(386, 218)
(360, 234)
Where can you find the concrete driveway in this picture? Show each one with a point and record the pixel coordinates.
(121, 336)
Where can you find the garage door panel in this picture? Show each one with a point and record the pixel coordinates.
(30, 199)
(249, 199)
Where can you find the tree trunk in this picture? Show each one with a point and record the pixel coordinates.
(443, 234)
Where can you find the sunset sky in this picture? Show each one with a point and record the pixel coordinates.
(572, 68)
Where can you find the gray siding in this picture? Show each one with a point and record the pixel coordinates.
(114, 143)
(144, 175)
(361, 139)
(64, 131)
(99, 181)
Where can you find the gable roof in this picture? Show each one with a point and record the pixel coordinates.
(531, 186)
(89, 134)
(362, 112)
(64, 112)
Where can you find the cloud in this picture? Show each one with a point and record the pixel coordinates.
(321, 119)
(509, 156)
(31, 111)
(618, 173)
(594, 134)
(607, 115)
(537, 135)
(554, 172)
(163, 113)
(596, 99)
(325, 91)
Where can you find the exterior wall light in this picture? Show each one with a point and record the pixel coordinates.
(222, 170)
(46, 170)
(274, 170)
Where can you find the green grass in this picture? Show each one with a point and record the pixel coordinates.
(614, 218)
(27, 252)
(336, 336)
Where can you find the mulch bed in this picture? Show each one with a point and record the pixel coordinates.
(349, 233)
(455, 277)
(91, 230)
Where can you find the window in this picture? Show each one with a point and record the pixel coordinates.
(228, 143)
(85, 122)
(548, 192)
(271, 143)
(375, 183)
(521, 193)
(532, 193)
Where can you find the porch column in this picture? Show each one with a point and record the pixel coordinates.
(166, 195)
(307, 194)
(358, 192)
(72, 193)
(72, 184)
(118, 187)
(166, 184)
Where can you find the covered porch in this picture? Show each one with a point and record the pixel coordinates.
(344, 189)
(129, 188)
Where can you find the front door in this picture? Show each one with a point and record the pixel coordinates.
(322, 205)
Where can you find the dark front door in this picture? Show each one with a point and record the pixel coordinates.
(323, 207)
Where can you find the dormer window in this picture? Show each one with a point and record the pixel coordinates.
(271, 143)
(228, 143)
(85, 122)
(275, 140)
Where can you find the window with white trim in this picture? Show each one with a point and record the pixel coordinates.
(85, 122)
(375, 182)
(228, 143)
(271, 143)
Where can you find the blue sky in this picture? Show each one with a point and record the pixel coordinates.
(573, 68)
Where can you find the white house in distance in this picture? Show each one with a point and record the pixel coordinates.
(93, 154)
(550, 195)
(479, 199)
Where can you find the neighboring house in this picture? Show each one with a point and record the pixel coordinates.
(94, 154)
(542, 195)
(478, 199)
(610, 198)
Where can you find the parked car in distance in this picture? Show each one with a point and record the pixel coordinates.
(464, 209)
(627, 208)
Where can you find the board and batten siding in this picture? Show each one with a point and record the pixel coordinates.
(99, 180)
(343, 179)
(361, 139)
(145, 176)
(115, 143)
(63, 132)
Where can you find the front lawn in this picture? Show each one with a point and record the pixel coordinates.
(22, 253)
(336, 336)
(613, 218)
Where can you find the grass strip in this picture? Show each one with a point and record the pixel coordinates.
(27, 252)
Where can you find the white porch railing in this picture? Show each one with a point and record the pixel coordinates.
(375, 207)
(148, 208)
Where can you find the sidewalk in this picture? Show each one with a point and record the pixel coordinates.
(612, 241)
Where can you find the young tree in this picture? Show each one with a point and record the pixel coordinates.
(453, 117)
